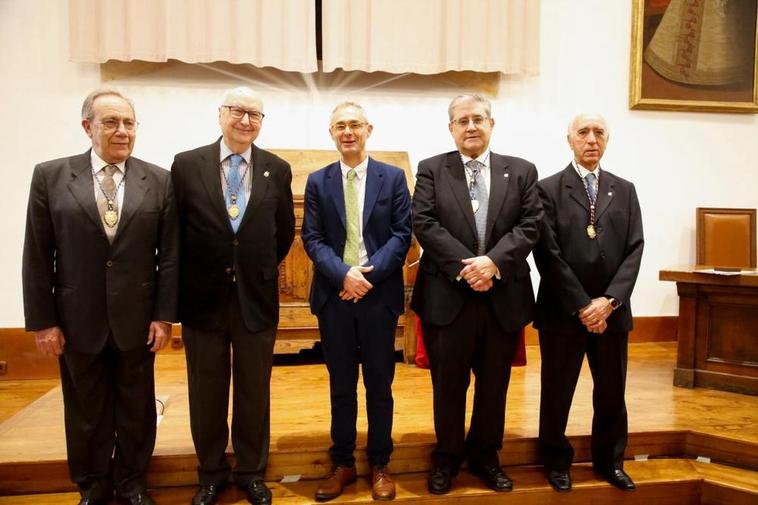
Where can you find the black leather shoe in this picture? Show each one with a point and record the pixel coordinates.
(619, 478)
(440, 480)
(138, 498)
(560, 480)
(207, 495)
(258, 493)
(494, 476)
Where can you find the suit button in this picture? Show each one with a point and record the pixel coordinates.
(228, 270)
(235, 242)
(109, 263)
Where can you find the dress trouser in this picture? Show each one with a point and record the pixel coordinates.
(110, 418)
(352, 335)
(213, 358)
(474, 341)
(562, 357)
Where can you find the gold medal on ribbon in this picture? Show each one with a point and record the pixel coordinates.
(591, 232)
(234, 211)
(110, 217)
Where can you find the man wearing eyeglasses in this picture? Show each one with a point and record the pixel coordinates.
(357, 231)
(100, 280)
(236, 223)
(476, 215)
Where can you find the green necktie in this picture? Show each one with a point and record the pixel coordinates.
(352, 215)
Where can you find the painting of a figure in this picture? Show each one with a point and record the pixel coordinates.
(695, 55)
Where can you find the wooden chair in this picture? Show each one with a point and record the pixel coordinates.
(726, 237)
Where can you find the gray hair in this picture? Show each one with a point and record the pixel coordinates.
(87, 112)
(588, 115)
(345, 105)
(245, 91)
(469, 96)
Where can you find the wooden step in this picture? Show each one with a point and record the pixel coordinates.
(659, 482)
(310, 463)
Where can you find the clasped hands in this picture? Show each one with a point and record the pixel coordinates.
(354, 285)
(478, 272)
(594, 315)
(51, 341)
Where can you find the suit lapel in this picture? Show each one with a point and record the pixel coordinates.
(456, 177)
(576, 187)
(604, 194)
(82, 188)
(211, 178)
(135, 189)
(498, 188)
(335, 191)
(259, 183)
(374, 181)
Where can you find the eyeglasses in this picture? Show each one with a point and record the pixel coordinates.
(238, 113)
(352, 126)
(111, 123)
(464, 121)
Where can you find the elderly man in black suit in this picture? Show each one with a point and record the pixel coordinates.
(476, 214)
(236, 222)
(588, 257)
(100, 280)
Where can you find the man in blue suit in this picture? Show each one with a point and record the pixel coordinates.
(357, 231)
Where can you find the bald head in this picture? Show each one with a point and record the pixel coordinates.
(588, 137)
(583, 117)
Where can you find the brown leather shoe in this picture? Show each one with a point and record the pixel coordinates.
(382, 485)
(332, 486)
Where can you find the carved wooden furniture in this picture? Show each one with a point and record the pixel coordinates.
(717, 330)
(298, 328)
(726, 237)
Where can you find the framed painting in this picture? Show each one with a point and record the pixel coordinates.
(694, 55)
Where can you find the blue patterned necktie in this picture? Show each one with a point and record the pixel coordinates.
(478, 192)
(591, 189)
(235, 186)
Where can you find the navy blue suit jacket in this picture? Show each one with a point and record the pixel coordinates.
(386, 233)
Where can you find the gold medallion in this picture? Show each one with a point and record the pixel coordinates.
(110, 217)
(234, 211)
(591, 233)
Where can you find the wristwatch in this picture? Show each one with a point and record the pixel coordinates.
(614, 303)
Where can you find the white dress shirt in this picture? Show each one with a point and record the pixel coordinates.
(98, 175)
(360, 180)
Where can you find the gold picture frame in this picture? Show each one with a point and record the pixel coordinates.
(685, 55)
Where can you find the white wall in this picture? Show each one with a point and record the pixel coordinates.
(678, 160)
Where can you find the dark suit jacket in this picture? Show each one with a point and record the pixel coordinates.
(443, 221)
(212, 255)
(386, 232)
(74, 278)
(574, 268)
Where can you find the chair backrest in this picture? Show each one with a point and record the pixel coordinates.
(726, 237)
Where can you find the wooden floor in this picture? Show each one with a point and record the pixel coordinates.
(300, 416)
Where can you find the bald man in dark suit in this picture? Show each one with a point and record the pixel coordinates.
(588, 256)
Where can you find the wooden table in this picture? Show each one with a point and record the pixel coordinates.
(717, 329)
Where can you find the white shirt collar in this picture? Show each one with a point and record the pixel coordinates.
(483, 158)
(98, 163)
(360, 169)
(583, 171)
(225, 152)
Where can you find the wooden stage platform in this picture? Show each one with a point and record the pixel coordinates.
(664, 422)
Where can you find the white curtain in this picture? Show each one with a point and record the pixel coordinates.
(431, 36)
(275, 33)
